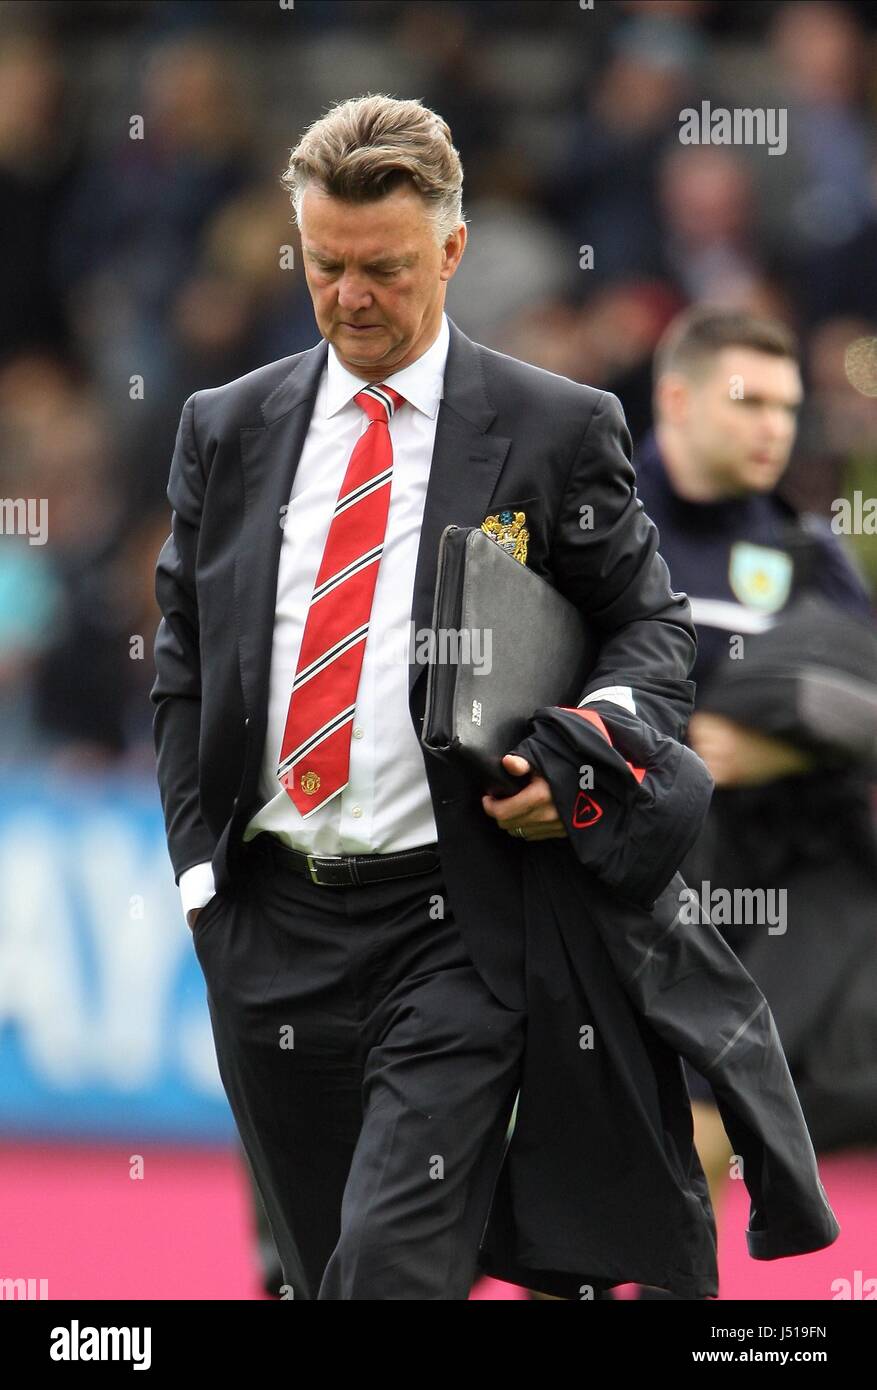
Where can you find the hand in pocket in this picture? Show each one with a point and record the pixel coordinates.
(195, 912)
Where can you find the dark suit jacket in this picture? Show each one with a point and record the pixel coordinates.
(508, 435)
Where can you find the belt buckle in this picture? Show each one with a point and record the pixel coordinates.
(338, 859)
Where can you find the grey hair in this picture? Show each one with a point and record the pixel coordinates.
(366, 146)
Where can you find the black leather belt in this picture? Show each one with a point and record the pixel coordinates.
(341, 870)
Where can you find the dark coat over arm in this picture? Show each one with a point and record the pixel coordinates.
(601, 1182)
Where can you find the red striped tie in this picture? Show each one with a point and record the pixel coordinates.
(315, 754)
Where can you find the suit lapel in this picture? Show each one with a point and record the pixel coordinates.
(466, 464)
(269, 455)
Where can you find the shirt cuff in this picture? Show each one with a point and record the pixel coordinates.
(197, 887)
(616, 694)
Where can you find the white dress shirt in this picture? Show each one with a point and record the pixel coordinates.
(386, 804)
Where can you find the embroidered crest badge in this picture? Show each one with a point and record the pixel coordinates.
(507, 528)
(759, 576)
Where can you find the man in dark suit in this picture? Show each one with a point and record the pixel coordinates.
(356, 907)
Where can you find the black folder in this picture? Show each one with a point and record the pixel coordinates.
(482, 690)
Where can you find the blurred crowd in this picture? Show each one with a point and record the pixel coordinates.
(148, 251)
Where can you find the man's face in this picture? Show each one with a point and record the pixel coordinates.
(739, 419)
(376, 276)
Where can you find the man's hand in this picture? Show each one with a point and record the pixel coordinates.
(532, 810)
(192, 917)
(741, 757)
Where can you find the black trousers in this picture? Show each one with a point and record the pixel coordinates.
(371, 1074)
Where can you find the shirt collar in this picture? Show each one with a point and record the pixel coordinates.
(421, 382)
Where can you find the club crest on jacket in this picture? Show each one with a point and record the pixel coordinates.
(759, 576)
(508, 530)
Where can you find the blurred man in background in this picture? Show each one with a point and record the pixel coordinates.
(790, 811)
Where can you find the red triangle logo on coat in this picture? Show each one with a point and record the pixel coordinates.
(586, 812)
